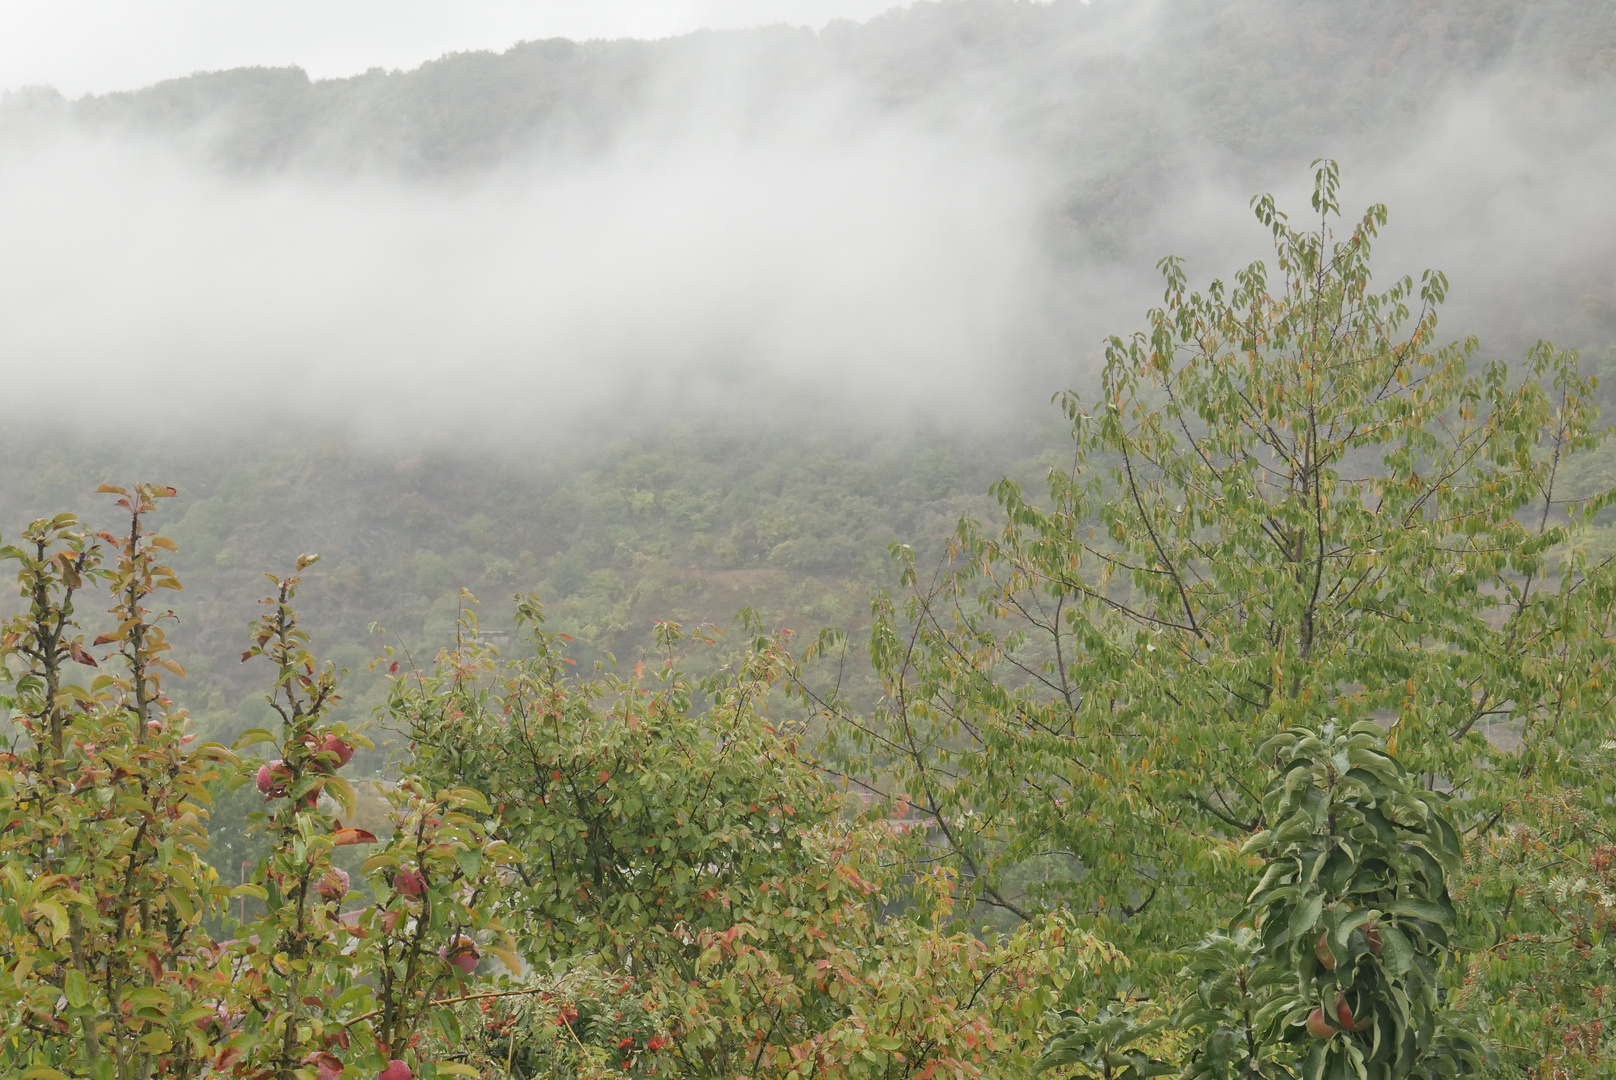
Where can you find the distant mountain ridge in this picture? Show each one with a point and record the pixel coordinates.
(1253, 79)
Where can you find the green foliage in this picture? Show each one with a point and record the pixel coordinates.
(1234, 985)
(310, 981)
(677, 851)
(102, 884)
(1105, 1046)
(1288, 506)
(1353, 922)
(110, 970)
(1538, 906)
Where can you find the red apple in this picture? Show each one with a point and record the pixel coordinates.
(1321, 949)
(462, 953)
(1372, 932)
(1343, 1015)
(272, 778)
(216, 1021)
(408, 882)
(396, 1070)
(334, 745)
(334, 884)
(1318, 1026)
(330, 744)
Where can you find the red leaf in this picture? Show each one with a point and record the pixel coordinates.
(81, 656)
(106, 639)
(344, 837)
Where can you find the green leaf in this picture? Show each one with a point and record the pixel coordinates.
(76, 988)
(1305, 916)
(342, 791)
(1417, 908)
(1348, 924)
(1396, 954)
(468, 797)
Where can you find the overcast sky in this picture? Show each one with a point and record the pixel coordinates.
(92, 46)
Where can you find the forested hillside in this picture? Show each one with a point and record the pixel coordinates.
(691, 525)
(1130, 105)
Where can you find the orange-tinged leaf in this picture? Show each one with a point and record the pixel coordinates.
(345, 837)
(506, 957)
(81, 656)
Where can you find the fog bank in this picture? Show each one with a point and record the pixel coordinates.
(934, 217)
(890, 268)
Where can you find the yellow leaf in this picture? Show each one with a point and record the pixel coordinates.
(58, 917)
(506, 957)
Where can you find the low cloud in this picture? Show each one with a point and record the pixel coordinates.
(890, 269)
(758, 233)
